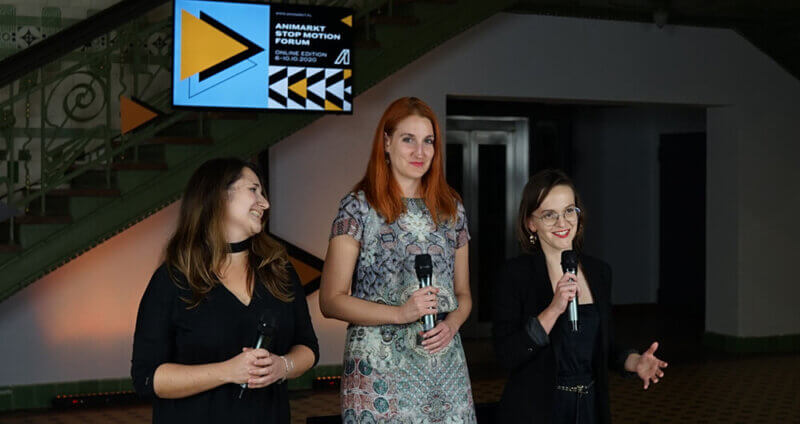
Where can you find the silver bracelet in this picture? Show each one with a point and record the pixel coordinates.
(286, 365)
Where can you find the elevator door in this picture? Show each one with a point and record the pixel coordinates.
(487, 163)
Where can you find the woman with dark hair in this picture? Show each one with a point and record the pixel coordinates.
(223, 282)
(402, 208)
(558, 375)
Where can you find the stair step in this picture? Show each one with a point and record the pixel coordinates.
(128, 180)
(93, 178)
(145, 153)
(31, 234)
(7, 256)
(176, 154)
(127, 176)
(138, 166)
(231, 116)
(390, 36)
(190, 117)
(430, 14)
(84, 192)
(225, 115)
(30, 229)
(427, 1)
(424, 9)
(180, 140)
(74, 202)
(367, 44)
(171, 139)
(10, 248)
(188, 125)
(80, 206)
(42, 219)
(394, 20)
(168, 150)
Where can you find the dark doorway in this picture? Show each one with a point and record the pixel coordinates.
(487, 165)
(682, 263)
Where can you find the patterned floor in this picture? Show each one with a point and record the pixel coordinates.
(700, 386)
(747, 390)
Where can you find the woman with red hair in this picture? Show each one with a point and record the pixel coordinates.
(402, 208)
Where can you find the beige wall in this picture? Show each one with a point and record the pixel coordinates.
(77, 322)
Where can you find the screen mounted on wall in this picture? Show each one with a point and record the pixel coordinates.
(261, 56)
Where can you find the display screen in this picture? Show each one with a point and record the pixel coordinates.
(261, 56)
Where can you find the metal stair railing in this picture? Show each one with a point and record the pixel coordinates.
(50, 242)
(58, 118)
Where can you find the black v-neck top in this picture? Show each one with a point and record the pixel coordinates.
(214, 331)
(575, 350)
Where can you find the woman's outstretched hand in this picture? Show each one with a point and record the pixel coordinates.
(648, 367)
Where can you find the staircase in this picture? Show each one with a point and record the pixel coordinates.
(77, 181)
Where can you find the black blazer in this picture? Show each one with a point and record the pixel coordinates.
(524, 290)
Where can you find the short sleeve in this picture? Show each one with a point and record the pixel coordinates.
(153, 339)
(350, 219)
(462, 231)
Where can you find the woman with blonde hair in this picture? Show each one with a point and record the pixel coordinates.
(402, 208)
(223, 284)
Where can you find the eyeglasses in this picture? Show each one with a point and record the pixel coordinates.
(550, 218)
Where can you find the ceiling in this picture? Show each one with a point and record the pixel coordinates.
(771, 25)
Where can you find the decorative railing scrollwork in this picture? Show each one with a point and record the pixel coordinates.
(60, 119)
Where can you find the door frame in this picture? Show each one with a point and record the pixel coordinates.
(516, 176)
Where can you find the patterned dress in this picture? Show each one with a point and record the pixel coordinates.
(387, 377)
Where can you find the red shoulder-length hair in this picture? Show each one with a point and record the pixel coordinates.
(381, 189)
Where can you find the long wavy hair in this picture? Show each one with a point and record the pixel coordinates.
(198, 249)
(537, 188)
(379, 185)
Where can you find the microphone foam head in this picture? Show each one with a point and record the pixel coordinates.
(569, 259)
(423, 264)
(267, 323)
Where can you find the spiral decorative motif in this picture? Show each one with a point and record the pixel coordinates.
(84, 96)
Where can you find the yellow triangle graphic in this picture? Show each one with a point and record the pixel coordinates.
(203, 46)
(347, 73)
(304, 271)
(300, 87)
(348, 20)
(133, 115)
(331, 106)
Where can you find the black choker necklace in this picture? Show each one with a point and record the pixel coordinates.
(241, 246)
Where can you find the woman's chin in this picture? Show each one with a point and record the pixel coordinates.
(561, 245)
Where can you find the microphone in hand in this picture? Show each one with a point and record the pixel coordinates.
(569, 264)
(266, 330)
(424, 268)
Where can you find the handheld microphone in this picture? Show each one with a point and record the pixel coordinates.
(569, 263)
(424, 268)
(266, 329)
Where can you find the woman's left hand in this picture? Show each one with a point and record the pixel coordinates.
(649, 367)
(270, 370)
(437, 338)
